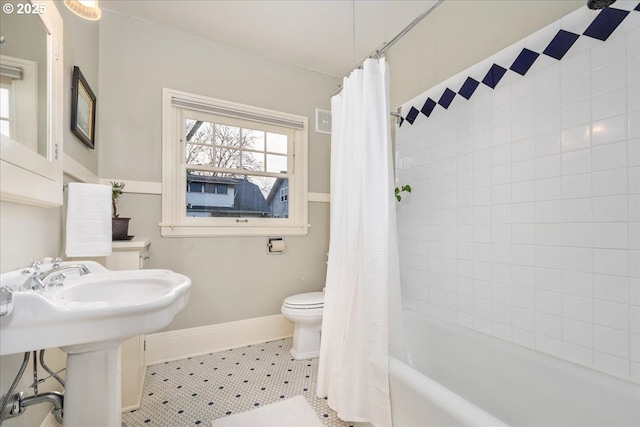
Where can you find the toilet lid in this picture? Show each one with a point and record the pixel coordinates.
(307, 300)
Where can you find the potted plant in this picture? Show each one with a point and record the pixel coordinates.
(119, 226)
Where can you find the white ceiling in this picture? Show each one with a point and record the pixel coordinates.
(312, 34)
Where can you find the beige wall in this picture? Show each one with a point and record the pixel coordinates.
(461, 33)
(233, 278)
(80, 49)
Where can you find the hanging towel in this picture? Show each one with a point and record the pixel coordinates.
(88, 220)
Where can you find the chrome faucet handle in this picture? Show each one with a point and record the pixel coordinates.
(56, 262)
(33, 282)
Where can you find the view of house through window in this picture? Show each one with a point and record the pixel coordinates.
(235, 171)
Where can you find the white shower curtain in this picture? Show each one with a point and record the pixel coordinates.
(363, 273)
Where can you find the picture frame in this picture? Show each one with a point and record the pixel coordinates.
(83, 109)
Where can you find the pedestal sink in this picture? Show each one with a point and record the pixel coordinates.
(88, 317)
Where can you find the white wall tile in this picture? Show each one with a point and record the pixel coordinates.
(525, 219)
(577, 283)
(575, 114)
(610, 156)
(547, 167)
(576, 234)
(576, 332)
(608, 104)
(576, 138)
(577, 308)
(610, 314)
(609, 183)
(613, 235)
(577, 259)
(609, 130)
(609, 209)
(576, 210)
(610, 261)
(611, 288)
(611, 341)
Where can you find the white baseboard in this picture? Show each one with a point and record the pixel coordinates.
(173, 345)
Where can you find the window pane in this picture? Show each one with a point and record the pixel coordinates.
(228, 136)
(227, 158)
(5, 128)
(4, 102)
(199, 154)
(276, 163)
(276, 143)
(254, 139)
(198, 131)
(236, 195)
(253, 161)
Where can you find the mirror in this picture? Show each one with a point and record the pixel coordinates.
(23, 79)
(31, 102)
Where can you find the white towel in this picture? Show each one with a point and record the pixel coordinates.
(88, 220)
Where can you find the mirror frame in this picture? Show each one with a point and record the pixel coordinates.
(25, 176)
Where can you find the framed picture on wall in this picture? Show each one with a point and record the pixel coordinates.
(83, 109)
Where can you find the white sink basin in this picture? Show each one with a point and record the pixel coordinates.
(101, 306)
(88, 317)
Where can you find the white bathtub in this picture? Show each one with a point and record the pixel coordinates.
(459, 377)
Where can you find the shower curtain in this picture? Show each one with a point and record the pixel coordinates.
(363, 273)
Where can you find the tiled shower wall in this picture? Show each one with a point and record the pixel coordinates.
(524, 220)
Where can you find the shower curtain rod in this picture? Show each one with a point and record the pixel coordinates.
(379, 53)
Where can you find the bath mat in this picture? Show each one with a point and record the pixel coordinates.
(294, 412)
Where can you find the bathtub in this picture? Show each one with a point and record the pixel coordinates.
(459, 377)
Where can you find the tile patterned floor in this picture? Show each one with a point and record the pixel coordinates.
(197, 390)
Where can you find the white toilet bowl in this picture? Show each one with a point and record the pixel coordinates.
(305, 311)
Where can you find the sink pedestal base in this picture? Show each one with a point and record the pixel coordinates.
(92, 391)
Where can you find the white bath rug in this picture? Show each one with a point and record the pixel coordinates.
(294, 412)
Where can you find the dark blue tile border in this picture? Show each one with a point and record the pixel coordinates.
(524, 61)
(605, 23)
(447, 98)
(560, 44)
(602, 26)
(494, 75)
(470, 85)
(428, 107)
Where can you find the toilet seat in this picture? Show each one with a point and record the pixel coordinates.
(306, 301)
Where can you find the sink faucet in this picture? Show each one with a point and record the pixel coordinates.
(55, 277)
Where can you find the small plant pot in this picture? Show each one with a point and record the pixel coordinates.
(120, 228)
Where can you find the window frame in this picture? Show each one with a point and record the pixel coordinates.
(175, 222)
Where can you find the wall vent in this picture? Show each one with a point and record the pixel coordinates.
(323, 121)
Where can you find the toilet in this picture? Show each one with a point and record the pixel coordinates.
(305, 311)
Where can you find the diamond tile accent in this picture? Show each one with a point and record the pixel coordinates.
(411, 116)
(600, 28)
(494, 75)
(447, 98)
(605, 23)
(524, 61)
(428, 107)
(470, 85)
(196, 390)
(560, 44)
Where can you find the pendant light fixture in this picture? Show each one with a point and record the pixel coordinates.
(87, 9)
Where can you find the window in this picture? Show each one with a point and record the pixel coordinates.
(19, 100)
(232, 169)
